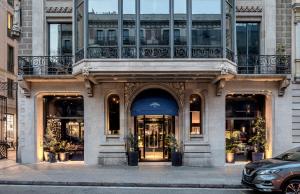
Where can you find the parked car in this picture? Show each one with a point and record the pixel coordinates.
(279, 174)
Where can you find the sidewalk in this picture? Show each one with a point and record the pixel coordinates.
(141, 176)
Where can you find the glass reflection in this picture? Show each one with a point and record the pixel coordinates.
(103, 28)
(180, 29)
(206, 29)
(129, 29)
(60, 39)
(154, 31)
(206, 6)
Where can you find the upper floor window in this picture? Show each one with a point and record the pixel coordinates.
(197, 28)
(10, 59)
(10, 84)
(10, 2)
(60, 39)
(195, 115)
(113, 111)
(9, 23)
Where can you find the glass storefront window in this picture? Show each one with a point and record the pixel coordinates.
(60, 39)
(195, 115)
(113, 104)
(64, 122)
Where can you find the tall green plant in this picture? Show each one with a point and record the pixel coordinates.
(132, 142)
(259, 139)
(172, 143)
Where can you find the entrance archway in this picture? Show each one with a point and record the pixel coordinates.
(154, 112)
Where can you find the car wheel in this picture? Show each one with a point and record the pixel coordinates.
(292, 187)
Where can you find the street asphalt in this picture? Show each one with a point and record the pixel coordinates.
(35, 189)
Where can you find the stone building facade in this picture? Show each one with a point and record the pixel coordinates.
(128, 74)
(8, 71)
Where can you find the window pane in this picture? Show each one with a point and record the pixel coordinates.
(180, 29)
(180, 6)
(195, 115)
(206, 29)
(241, 31)
(10, 59)
(79, 27)
(113, 114)
(154, 6)
(128, 6)
(129, 29)
(103, 6)
(154, 31)
(103, 16)
(206, 6)
(60, 42)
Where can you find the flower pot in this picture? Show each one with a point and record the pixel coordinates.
(230, 157)
(176, 158)
(46, 156)
(256, 156)
(63, 156)
(52, 157)
(133, 158)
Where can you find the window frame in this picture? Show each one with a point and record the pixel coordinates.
(10, 67)
(110, 132)
(201, 110)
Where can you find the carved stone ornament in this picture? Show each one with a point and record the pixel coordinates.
(282, 86)
(219, 87)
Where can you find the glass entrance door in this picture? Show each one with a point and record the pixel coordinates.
(154, 140)
(152, 132)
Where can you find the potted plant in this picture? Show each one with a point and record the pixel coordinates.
(259, 139)
(64, 150)
(133, 154)
(53, 151)
(230, 150)
(176, 155)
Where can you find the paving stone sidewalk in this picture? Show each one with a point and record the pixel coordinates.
(143, 175)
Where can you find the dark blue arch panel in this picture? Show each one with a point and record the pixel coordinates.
(154, 102)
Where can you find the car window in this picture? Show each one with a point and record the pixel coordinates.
(292, 155)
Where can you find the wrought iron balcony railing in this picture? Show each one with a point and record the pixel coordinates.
(45, 65)
(264, 64)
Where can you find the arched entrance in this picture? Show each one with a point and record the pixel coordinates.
(154, 112)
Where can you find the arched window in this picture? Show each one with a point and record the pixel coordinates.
(195, 115)
(113, 105)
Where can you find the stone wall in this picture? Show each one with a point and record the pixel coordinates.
(25, 44)
(284, 25)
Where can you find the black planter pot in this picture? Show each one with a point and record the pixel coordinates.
(257, 156)
(133, 158)
(176, 158)
(52, 157)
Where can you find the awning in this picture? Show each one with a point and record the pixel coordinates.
(154, 102)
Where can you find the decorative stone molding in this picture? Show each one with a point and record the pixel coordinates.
(131, 88)
(58, 9)
(220, 86)
(26, 86)
(89, 86)
(249, 9)
(283, 85)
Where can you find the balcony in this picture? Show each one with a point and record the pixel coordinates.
(264, 64)
(44, 65)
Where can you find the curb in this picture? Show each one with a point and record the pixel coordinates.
(97, 184)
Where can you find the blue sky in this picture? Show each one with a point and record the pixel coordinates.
(156, 6)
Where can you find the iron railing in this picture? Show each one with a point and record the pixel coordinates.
(207, 52)
(155, 52)
(264, 64)
(3, 150)
(45, 65)
(102, 52)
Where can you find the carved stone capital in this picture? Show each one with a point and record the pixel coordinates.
(282, 86)
(89, 86)
(220, 86)
(26, 87)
